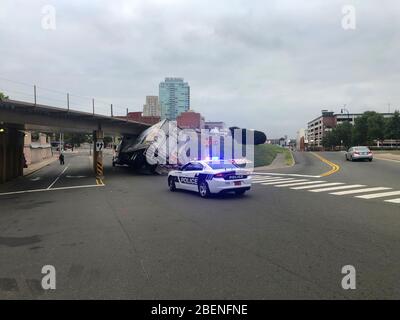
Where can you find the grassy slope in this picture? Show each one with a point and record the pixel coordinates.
(264, 154)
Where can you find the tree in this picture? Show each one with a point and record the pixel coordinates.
(393, 126)
(344, 133)
(75, 138)
(376, 127)
(330, 139)
(367, 128)
(3, 96)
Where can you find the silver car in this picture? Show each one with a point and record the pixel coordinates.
(359, 153)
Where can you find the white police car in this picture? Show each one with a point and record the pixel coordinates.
(208, 177)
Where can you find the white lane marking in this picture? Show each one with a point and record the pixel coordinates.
(318, 185)
(68, 176)
(52, 189)
(393, 200)
(341, 193)
(379, 195)
(280, 182)
(286, 174)
(78, 187)
(338, 188)
(59, 176)
(300, 183)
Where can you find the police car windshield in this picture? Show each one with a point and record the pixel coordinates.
(222, 165)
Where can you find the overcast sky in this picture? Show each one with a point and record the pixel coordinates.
(268, 65)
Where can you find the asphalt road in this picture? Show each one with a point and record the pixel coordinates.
(134, 239)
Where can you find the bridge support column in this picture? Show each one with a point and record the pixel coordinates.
(98, 136)
(11, 153)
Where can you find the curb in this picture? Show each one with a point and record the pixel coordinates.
(39, 168)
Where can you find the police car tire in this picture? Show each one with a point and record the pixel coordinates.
(207, 190)
(171, 184)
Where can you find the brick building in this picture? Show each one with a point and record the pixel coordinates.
(190, 120)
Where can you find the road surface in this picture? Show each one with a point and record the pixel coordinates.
(131, 238)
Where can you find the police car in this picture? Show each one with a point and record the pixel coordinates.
(207, 177)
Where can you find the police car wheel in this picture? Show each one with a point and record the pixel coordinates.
(204, 192)
(171, 184)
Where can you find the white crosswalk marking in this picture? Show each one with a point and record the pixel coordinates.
(379, 195)
(266, 180)
(273, 180)
(338, 188)
(280, 182)
(281, 179)
(317, 185)
(393, 200)
(341, 193)
(299, 184)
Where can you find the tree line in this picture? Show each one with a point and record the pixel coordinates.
(368, 128)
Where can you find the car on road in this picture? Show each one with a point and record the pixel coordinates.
(210, 177)
(359, 153)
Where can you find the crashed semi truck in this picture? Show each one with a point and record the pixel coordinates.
(158, 140)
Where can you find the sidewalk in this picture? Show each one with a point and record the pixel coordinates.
(387, 156)
(39, 165)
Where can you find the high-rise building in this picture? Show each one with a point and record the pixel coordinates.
(174, 96)
(151, 108)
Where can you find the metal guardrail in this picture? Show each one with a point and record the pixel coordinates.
(32, 93)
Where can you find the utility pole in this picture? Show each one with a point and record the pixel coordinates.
(34, 93)
(345, 110)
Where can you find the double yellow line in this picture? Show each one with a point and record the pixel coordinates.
(334, 167)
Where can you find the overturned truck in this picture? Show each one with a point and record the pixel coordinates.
(158, 141)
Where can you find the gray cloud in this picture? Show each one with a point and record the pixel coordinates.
(265, 65)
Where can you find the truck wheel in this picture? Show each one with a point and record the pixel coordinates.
(204, 192)
(171, 184)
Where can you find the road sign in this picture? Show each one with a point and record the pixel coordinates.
(99, 145)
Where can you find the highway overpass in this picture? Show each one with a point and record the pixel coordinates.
(18, 116)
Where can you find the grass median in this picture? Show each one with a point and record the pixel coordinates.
(264, 154)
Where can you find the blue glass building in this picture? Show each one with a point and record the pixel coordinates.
(174, 96)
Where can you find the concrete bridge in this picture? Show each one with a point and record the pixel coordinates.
(17, 117)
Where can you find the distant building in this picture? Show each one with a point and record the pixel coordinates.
(301, 140)
(328, 120)
(139, 117)
(215, 125)
(152, 107)
(190, 120)
(174, 95)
